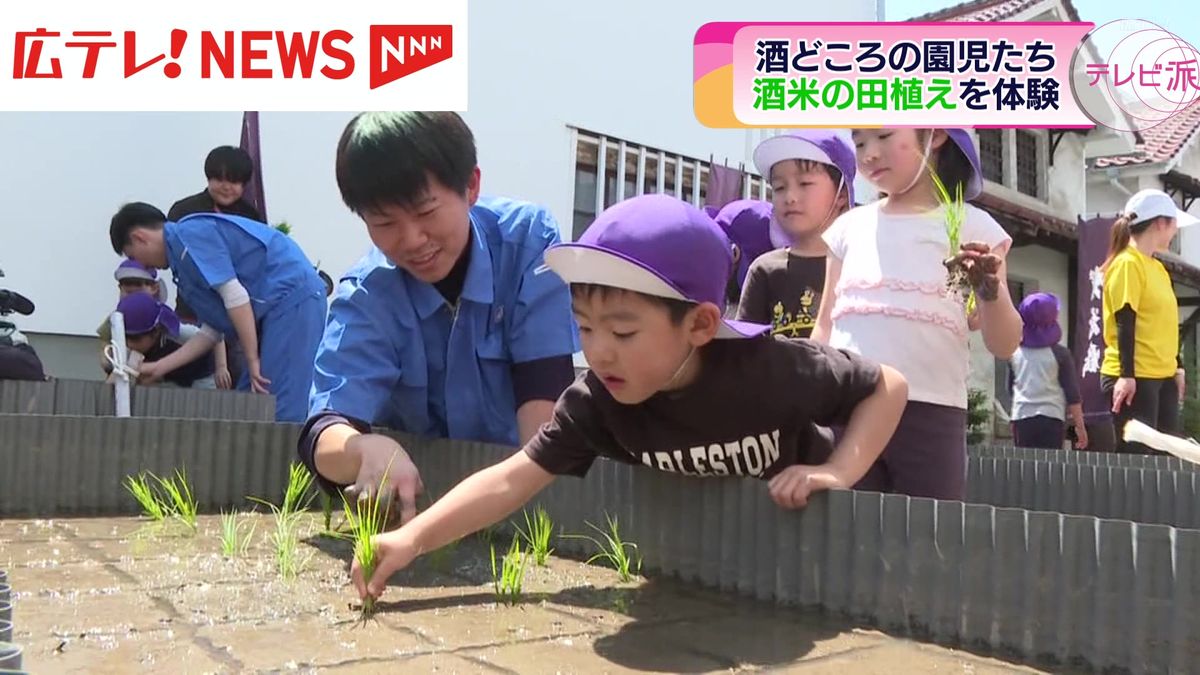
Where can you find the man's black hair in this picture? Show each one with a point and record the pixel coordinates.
(130, 217)
(229, 163)
(386, 158)
(677, 309)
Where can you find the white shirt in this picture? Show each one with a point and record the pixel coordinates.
(892, 303)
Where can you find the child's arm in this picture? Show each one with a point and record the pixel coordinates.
(486, 497)
(871, 426)
(198, 345)
(824, 327)
(998, 317)
(221, 364)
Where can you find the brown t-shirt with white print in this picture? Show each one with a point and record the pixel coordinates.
(753, 411)
(784, 290)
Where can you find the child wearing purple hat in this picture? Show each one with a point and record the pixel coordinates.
(1045, 387)
(896, 291)
(152, 330)
(747, 223)
(812, 183)
(672, 385)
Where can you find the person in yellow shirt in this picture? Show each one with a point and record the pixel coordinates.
(1141, 374)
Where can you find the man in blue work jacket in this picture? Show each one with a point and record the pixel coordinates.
(237, 275)
(450, 326)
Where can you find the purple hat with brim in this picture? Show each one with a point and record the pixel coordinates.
(747, 223)
(1039, 313)
(142, 314)
(962, 139)
(655, 245)
(132, 269)
(824, 146)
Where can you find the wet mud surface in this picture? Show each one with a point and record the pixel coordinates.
(117, 595)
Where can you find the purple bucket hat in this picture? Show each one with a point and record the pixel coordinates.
(747, 223)
(825, 146)
(656, 245)
(132, 269)
(962, 138)
(1039, 312)
(142, 314)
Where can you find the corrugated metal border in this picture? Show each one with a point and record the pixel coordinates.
(1118, 492)
(1045, 587)
(62, 465)
(1158, 462)
(1113, 594)
(88, 398)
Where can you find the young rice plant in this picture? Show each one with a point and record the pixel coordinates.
(537, 533)
(613, 550)
(508, 578)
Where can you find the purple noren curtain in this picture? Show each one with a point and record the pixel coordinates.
(251, 144)
(1089, 315)
(724, 185)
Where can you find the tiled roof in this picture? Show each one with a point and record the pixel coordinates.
(989, 10)
(1161, 142)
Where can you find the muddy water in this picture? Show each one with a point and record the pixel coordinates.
(116, 595)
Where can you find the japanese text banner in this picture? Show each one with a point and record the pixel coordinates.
(233, 55)
(956, 74)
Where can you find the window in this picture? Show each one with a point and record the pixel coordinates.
(991, 154)
(1028, 164)
(658, 170)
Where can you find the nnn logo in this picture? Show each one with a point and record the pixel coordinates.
(398, 51)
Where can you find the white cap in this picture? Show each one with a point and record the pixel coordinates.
(1150, 204)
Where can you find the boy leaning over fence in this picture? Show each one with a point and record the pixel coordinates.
(672, 385)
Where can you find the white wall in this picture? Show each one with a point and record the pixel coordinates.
(622, 68)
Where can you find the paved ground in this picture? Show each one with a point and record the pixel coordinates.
(109, 595)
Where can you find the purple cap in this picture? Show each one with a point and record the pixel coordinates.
(142, 313)
(1039, 312)
(747, 223)
(824, 146)
(962, 138)
(656, 245)
(132, 269)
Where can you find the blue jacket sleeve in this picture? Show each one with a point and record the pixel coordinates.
(357, 365)
(542, 323)
(207, 249)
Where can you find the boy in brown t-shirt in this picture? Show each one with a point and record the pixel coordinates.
(672, 385)
(812, 183)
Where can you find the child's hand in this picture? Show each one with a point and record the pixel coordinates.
(982, 268)
(222, 377)
(394, 551)
(792, 487)
(1081, 437)
(149, 373)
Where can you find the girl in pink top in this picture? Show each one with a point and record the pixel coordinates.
(907, 279)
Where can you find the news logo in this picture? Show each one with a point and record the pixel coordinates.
(399, 51)
(359, 55)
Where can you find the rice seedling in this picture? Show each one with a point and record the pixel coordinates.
(489, 534)
(285, 538)
(182, 503)
(956, 215)
(508, 578)
(537, 533)
(327, 511)
(297, 496)
(142, 489)
(235, 538)
(366, 519)
(613, 549)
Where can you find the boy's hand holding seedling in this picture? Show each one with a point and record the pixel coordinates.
(483, 498)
